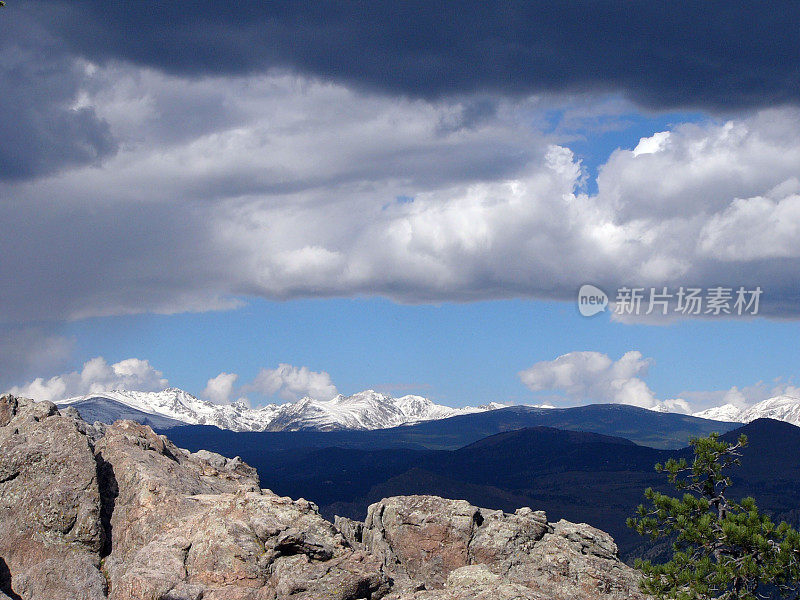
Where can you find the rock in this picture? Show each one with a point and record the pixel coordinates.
(183, 520)
(5, 580)
(475, 582)
(453, 550)
(53, 578)
(118, 512)
(504, 538)
(586, 538)
(420, 537)
(351, 530)
(49, 504)
(577, 561)
(218, 461)
(9, 406)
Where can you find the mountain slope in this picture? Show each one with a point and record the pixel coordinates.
(106, 410)
(363, 411)
(176, 405)
(645, 427)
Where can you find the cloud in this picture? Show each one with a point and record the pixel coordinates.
(292, 383)
(156, 228)
(675, 405)
(282, 186)
(30, 350)
(219, 388)
(96, 376)
(684, 55)
(772, 226)
(594, 377)
(702, 168)
(42, 128)
(285, 381)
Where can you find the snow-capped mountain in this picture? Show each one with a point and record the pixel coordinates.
(781, 408)
(727, 412)
(365, 410)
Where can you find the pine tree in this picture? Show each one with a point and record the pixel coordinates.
(722, 550)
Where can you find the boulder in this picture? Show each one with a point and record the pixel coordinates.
(449, 549)
(420, 538)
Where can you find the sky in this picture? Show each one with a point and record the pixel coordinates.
(270, 202)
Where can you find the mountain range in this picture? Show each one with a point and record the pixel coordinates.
(638, 425)
(171, 407)
(367, 410)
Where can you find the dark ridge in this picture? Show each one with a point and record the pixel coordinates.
(547, 435)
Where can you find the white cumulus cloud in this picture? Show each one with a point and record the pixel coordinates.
(595, 377)
(292, 383)
(754, 228)
(219, 388)
(96, 376)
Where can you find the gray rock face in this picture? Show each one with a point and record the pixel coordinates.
(49, 505)
(90, 512)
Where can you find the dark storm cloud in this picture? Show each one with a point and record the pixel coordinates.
(41, 130)
(30, 349)
(718, 55)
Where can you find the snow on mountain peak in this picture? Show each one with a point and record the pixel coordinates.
(782, 408)
(365, 410)
(726, 412)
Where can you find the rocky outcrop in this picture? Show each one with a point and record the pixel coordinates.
(120, 512)
(89, 512)
(198, 525)
(50, 522)
(448, 549)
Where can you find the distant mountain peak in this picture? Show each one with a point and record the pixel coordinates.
(784, 407)
(365, 410)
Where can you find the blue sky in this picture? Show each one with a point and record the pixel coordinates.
(408, 204)
(458, 354)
